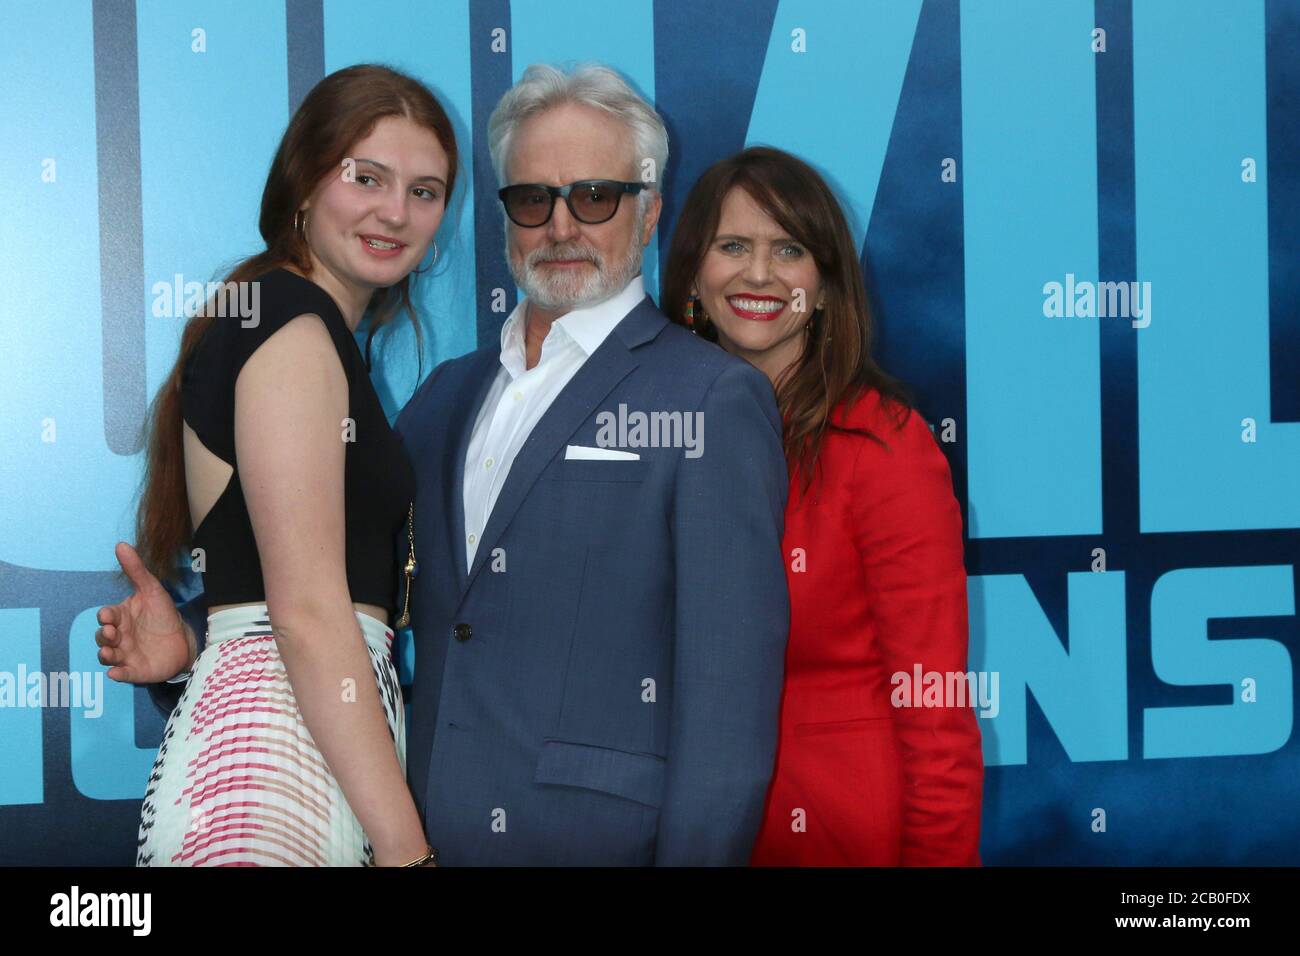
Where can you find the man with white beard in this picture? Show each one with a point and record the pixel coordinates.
(599, 631)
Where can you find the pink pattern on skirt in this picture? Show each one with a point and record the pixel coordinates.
(238, 780)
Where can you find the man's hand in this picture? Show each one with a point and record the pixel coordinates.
(143, 638)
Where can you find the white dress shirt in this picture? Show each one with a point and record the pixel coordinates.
(520, 396)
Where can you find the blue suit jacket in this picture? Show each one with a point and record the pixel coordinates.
(603, 685)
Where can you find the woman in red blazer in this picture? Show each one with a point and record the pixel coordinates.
(763, 263)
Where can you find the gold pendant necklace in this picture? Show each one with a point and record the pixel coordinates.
(409, 570)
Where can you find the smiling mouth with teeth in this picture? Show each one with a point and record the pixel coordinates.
(764, 306)
(761, 309)
(380, 244)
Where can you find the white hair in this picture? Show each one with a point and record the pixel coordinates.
(543, 87)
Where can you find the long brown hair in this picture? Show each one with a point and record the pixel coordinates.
(340, 110)
(836, 365)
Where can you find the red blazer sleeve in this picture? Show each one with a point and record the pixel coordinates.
(909, 535)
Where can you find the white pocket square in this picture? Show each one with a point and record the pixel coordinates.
(586, 453)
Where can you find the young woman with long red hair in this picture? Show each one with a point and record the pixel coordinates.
(271, 459)
(762, 262)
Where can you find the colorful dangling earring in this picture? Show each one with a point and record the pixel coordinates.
(696, 317)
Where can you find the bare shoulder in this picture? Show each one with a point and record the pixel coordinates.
(303, 327)
(300, 347)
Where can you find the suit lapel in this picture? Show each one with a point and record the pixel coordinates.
(460, 426)
(577, 401)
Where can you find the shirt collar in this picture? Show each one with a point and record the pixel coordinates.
(588, 327)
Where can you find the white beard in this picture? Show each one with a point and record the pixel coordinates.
(574, 289)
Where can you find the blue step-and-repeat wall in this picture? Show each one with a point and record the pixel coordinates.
(1129, 472)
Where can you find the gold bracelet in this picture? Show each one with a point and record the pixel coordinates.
(432, 854)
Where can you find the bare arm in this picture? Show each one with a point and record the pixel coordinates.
(290, 401)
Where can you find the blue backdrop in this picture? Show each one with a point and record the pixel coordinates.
(1131, 487)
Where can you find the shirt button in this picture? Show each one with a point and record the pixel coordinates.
(473, 538)
(462, 631)
(488, 463)
(518, 396)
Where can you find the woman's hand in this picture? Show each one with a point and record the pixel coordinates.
(143, 638)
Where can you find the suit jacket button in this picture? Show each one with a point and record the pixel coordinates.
(461, 632)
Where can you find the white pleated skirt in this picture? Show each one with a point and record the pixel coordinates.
(238, 780)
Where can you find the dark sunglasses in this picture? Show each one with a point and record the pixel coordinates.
(591, 201)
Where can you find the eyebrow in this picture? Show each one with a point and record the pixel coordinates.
(732, 235)
(388, 169)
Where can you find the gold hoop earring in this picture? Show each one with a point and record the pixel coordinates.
(300, 224)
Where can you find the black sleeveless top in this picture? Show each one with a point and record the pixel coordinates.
(379, 483)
